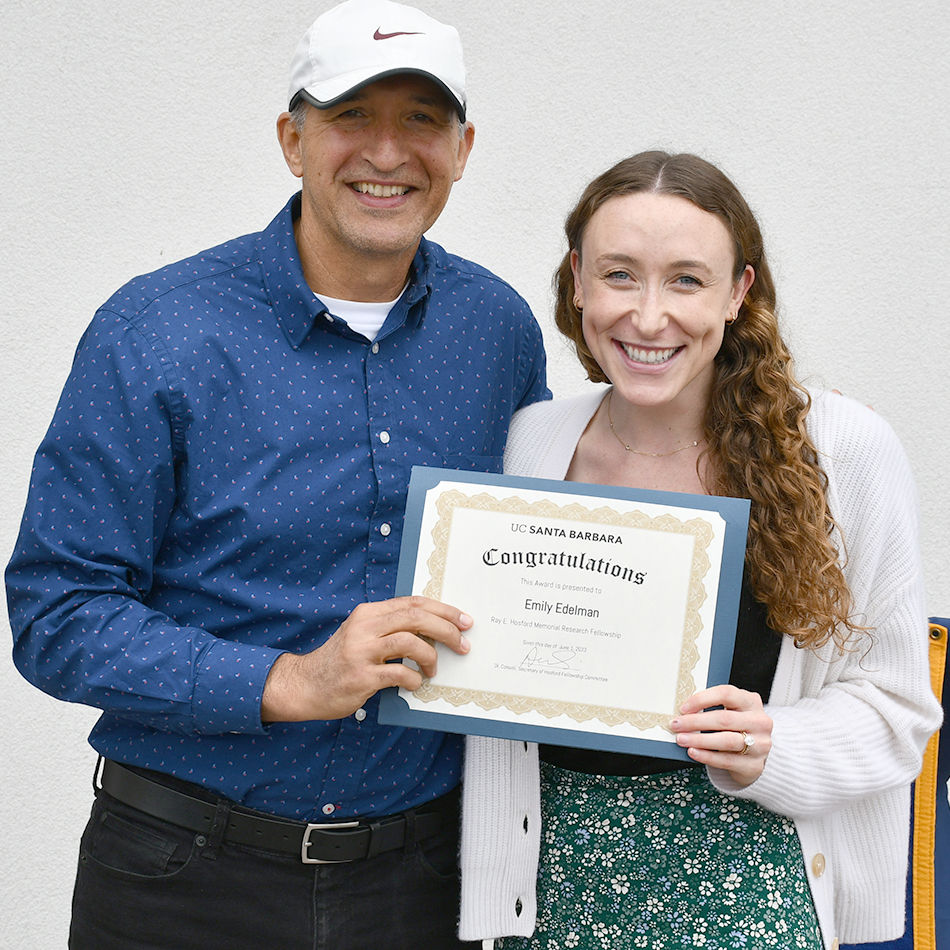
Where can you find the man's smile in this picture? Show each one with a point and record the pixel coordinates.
(379, 191)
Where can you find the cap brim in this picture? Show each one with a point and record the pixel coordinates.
(328, 94)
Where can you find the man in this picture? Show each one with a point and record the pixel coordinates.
(209, 548)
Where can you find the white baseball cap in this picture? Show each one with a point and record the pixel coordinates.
(361, 41)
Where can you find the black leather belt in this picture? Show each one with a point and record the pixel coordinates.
(329, 843)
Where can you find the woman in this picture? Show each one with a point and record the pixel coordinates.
(790, 826)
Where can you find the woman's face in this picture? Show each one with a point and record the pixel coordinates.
(655, 280)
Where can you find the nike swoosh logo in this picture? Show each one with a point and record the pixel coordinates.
(388, 36)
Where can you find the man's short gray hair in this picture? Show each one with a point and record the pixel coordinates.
(299, 113)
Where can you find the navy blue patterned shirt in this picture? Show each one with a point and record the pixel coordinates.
(224, 480)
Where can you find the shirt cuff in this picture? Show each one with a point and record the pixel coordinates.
(229, 687)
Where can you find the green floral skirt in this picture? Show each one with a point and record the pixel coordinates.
(665, 861)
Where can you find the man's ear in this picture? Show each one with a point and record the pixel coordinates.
(466, 141)
(289, 137)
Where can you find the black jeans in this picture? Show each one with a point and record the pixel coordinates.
(145, 884)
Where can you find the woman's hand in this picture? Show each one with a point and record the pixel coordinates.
(736, 738)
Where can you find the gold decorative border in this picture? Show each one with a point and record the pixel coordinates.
(451, 500)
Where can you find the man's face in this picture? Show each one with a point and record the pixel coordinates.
(377, 169)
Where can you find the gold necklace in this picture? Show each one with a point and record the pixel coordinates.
(654, 455)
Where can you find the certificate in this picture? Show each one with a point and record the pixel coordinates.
(597, 609)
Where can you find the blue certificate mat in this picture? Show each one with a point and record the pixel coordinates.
(597, 609)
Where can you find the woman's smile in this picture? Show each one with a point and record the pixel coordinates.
(647, 355)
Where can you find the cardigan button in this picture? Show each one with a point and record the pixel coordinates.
(818, 864)
(835, 944)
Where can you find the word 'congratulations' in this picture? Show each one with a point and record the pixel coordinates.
(580, 562)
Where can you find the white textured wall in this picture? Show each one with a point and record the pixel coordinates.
(134, 134)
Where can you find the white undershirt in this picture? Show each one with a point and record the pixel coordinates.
(363, 317)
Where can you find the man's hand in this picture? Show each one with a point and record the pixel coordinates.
(336, 679)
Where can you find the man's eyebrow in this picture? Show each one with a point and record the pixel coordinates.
(418, 98)
(435, 100)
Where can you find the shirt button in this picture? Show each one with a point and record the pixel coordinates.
(329, 809)
(328, 318)
(385, 529)
(818, 864)
(375, 347)
(360, 715)
(384, 437)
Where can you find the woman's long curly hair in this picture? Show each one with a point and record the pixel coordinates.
(758, 445)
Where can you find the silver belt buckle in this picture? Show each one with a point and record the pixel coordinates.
(305, 844)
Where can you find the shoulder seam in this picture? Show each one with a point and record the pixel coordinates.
(135, 283)
(169, 373)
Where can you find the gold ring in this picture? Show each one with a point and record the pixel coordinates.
(747, 742)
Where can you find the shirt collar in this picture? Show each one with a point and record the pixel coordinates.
(294, 303)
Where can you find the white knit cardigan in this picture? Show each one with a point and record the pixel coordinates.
(848, 731)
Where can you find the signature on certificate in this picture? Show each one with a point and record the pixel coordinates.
(548, 659)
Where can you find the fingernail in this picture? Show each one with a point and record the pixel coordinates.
(465, 620)
(466, 646)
